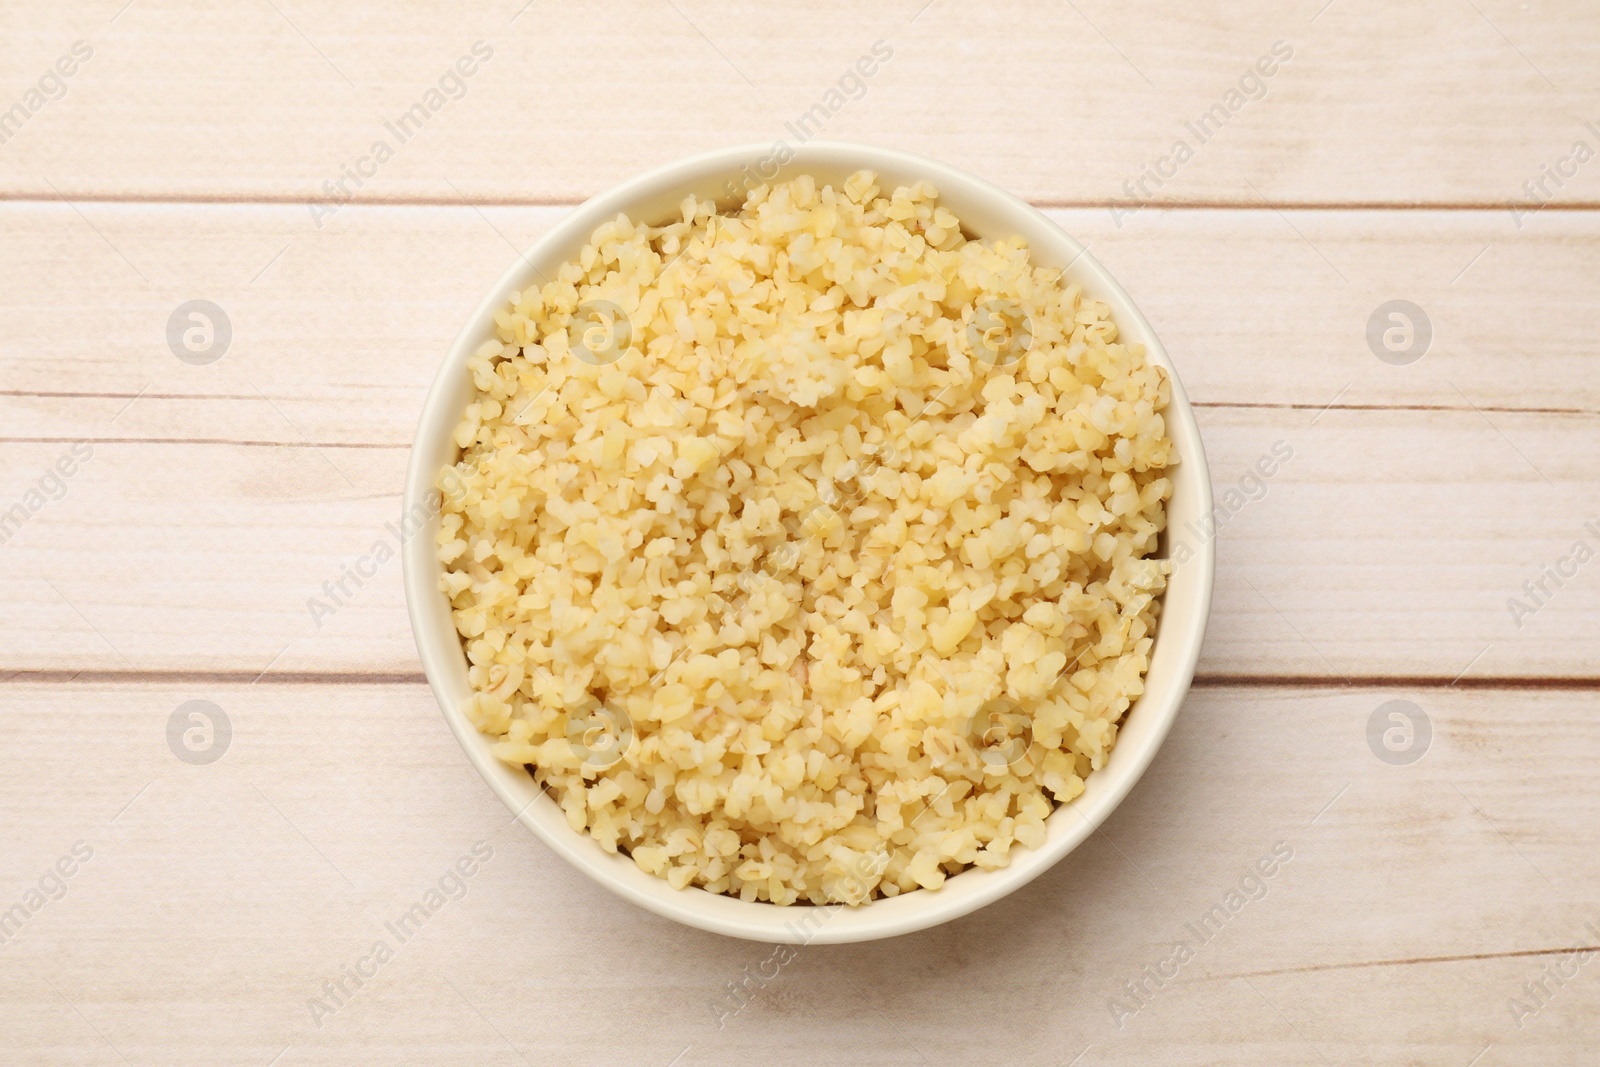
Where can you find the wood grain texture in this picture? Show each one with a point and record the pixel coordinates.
(342, 328)
(1419, 501)
(1442, 102)
(187, 159)
(1417, 902)
(1390, 544)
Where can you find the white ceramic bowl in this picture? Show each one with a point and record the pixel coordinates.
(988, 212)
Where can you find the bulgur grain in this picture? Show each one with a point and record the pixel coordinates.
(804, 550)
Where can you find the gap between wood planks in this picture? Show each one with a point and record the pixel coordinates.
(1044, 203)
(1265, 405)
(1469, 957)
(1571, 683)
(265, 443)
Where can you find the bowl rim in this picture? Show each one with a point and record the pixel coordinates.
(1176, 640)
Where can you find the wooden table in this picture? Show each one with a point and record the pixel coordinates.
(166, 521)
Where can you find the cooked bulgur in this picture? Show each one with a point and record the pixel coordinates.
(803, 551)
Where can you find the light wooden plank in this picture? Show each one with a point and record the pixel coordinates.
(220, 897)
(1434, 103)
(1392, 544)
(337, 333)
(1389, 544)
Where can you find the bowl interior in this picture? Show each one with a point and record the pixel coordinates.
(987, 212)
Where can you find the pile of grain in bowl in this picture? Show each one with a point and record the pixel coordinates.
(802, 551)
